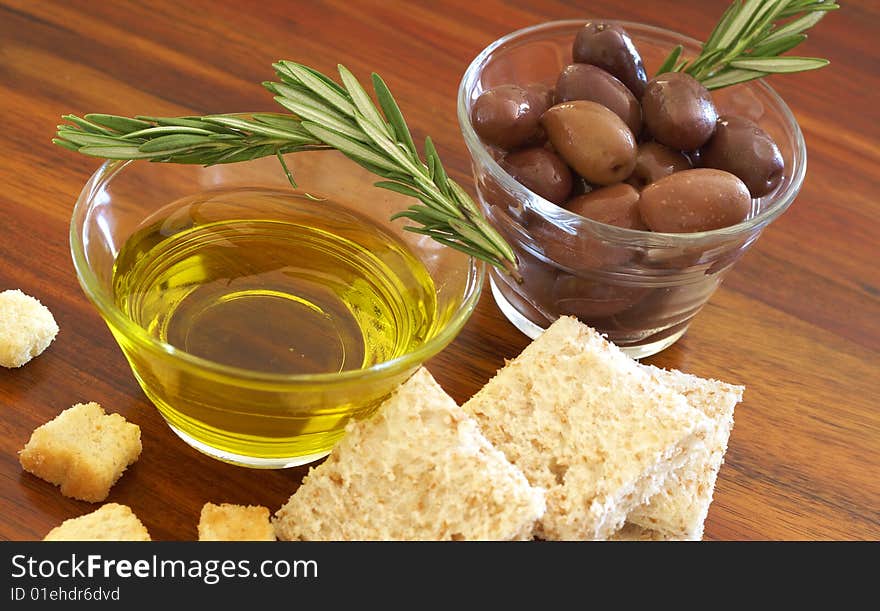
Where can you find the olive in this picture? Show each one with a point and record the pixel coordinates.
(608, 46)
(616, 205)
(575, 246)
(695, 200)
(541, 95)
(594, 141)
(498, 198)
(678, 111)
(541, 171)
(590, 299)
(586, 82)
(740, 147)
(507, 116)
(580, 186)
(654, 161)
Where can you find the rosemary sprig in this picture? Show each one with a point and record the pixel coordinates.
(325, 115)
(749, 39)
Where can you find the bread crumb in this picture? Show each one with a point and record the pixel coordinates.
(112, 522)
(83, 450)
(227, 522)
(27, 327)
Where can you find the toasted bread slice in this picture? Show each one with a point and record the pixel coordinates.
(679, 509)
(587, 423)
(418, 469)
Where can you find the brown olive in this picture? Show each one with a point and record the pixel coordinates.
(608, 46)
(592, 299)
(541, 171)
(740, 147)
(586, 82)
(499, 199)
(666, 306)
(654, 161)
(507, 116)
(695, 200)
(576, 247)
(541, 95)
(678, 111)
(616, 205)
(594, 141)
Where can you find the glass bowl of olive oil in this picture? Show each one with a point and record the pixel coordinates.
(259, 318)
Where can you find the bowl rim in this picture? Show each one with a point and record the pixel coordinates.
(111, 312)
(780, 202)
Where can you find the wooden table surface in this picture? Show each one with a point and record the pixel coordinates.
(796, 321)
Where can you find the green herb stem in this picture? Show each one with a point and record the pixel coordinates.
(749, 40)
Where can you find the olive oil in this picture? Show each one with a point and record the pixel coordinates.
(273, 282)
(262, 282)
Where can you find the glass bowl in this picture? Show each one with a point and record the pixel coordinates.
(640, 288)
(233, 413)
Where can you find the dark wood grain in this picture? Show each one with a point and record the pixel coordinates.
(796, 321)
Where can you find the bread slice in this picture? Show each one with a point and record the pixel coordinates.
(418, 469)
(679, 509)
(227, 522)
(112, 522)
(631, 532)
(27, 327)
(587, 423)
(83, 450)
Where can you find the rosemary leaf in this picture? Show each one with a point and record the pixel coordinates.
(731, 77)
(738, 23)
(321, 88)
(438, 173)
(669, 63)
(780, 64)
(796, 26)
(778, 46)
(114, 152)
(393, 115)
(398, 188)
(350, 148)
(173, 143)
(186, 122)
(362, 101)
(87, 125)
(162, 130)
(720, 27)
(118, 124)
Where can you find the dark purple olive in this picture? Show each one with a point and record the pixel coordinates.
(742, 148)
(654, 161)
(678, 111)
(695, 200)
(608, 46)
(594, 141)
(540, 171)
(616, 205)
(586, 82)
(507, 116)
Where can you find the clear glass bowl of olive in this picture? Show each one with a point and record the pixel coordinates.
(626, 198)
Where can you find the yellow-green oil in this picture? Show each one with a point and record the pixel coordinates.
(271, 282)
